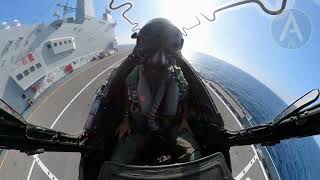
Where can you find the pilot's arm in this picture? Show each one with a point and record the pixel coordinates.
(184, 103)
(184, 117)
(124, 127)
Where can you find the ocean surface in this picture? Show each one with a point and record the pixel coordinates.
(295, 159)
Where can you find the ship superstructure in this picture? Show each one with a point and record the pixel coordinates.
(33, 57)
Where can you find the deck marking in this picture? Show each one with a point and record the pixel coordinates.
(44, 168)
(75, 97)
(267, 152)
(29, 117)
(246, 169)
(2, 162)
(31, 168)
(254, 149)
(275, 167)
(61, 87)
(99, 62)
(36, 158)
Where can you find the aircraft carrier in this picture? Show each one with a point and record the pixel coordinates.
(69, 101)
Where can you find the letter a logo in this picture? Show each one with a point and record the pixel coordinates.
(292, 29)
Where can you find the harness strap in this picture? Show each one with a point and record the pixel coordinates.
(132, 84)
(182, 82)
(152, 123)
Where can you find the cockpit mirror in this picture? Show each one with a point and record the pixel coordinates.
(5, 107)
(298, 105)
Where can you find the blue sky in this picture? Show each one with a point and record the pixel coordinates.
(241, 36)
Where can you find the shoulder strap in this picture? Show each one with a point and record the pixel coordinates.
(132, 85)
(152, 123)
(182, 82)
(133, 77)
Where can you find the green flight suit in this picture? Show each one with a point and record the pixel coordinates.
(127, 151)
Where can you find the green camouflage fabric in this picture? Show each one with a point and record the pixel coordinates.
(131, 149)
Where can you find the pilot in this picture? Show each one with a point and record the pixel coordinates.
(157, 96)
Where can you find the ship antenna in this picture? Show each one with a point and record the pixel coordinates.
(66, 9)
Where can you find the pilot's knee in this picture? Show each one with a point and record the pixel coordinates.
(196, 154)
(126, 151)
(190, 154)
(187, 139)
(190, 147)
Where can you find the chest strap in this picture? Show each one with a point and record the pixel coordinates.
(152, 123)
(132, 85)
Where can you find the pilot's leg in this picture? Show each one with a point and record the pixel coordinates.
(126, 152)
(187, 147)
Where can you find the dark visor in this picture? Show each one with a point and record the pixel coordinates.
(160, 34)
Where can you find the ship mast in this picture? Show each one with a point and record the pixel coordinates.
(84, 10)
(66, 9)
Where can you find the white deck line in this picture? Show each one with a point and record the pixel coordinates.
(254, 150)
(246, 169)
(75, 97)
(30, 171)
(273, 163)
(36, 158)
(269, 156)
(44, 168)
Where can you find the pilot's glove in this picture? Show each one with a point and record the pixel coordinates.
(124, 128)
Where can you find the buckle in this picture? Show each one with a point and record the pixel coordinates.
(134, 107)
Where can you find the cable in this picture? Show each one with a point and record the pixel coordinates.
(135, 25)
(263, 7)
(185, 29)
(213, 18)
